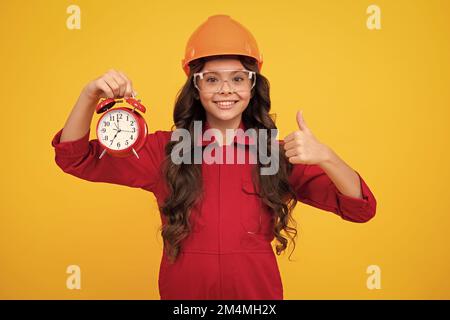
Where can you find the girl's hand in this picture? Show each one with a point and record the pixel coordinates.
(302, 147)
(112, 84)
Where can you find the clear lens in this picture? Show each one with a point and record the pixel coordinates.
(212, 82)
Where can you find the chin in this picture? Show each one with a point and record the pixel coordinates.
(226, 115)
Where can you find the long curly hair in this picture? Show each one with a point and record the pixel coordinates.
(184, 181)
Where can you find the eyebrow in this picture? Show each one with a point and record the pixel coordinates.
(216, 71)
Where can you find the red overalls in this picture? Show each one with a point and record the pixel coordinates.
(228, 255)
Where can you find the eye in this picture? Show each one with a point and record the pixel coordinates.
(210, 79)
(238, 79)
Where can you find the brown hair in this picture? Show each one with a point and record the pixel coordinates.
(184, 181)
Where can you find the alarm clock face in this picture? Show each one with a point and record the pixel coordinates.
(118, 129)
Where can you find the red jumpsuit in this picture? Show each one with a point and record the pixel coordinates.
(229, 254)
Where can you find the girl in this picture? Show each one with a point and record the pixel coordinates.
(218, 219)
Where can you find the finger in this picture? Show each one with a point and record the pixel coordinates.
(101, 83)
(295, 160)
(289, 137)
(129, 85)
(294, 135)
(112, 83)
(292, 152)
(292, 144)
(128, 91)
(301, 122)
(122, 83)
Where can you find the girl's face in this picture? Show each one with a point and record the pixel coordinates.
(216, 112)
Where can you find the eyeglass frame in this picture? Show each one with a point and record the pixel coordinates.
(251, 74)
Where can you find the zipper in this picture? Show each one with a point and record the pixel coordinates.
(219, 234)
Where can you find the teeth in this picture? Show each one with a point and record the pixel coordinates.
(225, 103)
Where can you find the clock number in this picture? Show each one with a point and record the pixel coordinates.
(111, 117)
(134, 129)
(132, 122)
(131, 138)
(104, 130)
(106, 123)
(126, 142)
(127, 117)
(119, 116)
(118, 144)
(106, 138)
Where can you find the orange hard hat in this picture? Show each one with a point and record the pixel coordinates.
(220, 35)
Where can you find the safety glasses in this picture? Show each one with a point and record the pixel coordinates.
(213, 81)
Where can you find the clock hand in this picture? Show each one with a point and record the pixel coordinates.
(114, 138)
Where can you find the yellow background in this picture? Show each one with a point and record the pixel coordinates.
(379, 98)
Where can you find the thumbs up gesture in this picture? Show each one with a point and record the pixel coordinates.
(302, 147)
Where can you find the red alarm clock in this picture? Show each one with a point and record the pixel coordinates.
(121, 131)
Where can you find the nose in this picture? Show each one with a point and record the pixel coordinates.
(229, 89)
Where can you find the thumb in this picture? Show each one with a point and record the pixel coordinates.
(301, 121)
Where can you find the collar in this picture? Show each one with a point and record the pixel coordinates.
(239, 137)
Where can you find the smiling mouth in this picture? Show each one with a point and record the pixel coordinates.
(225, 104)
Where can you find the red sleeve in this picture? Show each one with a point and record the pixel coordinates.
(313, 187)
(80, 158)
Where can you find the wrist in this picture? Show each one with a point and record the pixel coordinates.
(329, 156)
(88, 101)
(88, 96)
